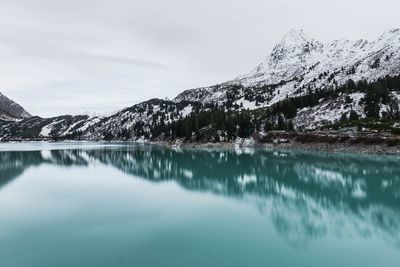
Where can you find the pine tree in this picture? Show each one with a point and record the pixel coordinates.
(343, 118)
(353, 115)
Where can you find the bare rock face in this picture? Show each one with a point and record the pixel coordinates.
(9, 110)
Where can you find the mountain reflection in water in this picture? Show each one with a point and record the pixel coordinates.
(305, 195)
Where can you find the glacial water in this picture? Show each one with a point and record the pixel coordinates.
(64, 205)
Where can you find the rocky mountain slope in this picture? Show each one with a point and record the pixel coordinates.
(9, 110)
(303, 84)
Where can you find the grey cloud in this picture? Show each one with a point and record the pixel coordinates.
(70, 56)
(127, 61)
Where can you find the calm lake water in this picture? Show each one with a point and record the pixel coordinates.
(125, 205)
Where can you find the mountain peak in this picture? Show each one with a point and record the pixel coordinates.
(294, 44)
(11, 108)
(392, 33)
(295, 36)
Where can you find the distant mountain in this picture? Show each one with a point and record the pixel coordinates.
(9, 110)
(302, 85)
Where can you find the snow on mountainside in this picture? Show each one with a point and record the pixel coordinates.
(328, 111)
(299, 62)
(9, 110)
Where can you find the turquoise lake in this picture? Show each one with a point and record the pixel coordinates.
(64, 205)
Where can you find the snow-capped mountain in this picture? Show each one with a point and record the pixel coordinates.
(9, 110)
(303, 84)
(299, 62)
(300, 57)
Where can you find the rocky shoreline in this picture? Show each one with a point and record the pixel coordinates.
(341, 142)
(320, 147)
(329, 141)
(344, 148)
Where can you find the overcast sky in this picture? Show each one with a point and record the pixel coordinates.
(73, 56)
